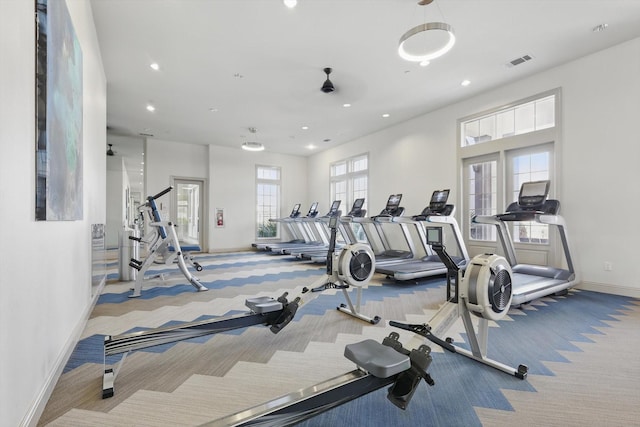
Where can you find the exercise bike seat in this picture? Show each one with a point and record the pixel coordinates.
(379, 360)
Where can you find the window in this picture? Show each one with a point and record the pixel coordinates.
(529, 165)
(522, 118)
(498, 151)
(482, 189)
(268, 201)
(349, 180)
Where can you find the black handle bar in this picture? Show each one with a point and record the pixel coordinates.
(162, 193)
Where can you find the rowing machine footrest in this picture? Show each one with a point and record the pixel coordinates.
(379, 360)
(262, 305)
(403, 389)
(288, 312)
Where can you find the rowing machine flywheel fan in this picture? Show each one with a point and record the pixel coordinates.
(356, 264)
(488, 285)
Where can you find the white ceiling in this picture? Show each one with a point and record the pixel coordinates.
(227, 65)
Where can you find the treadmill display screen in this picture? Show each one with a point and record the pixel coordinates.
(334, 207)
(439, 199)
(333, 222)
(434, 235)
(313, 209)
(296, 210)
(533, 194)
(394, 202)
(358, 204)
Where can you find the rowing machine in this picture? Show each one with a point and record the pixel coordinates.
(275, 313)
(378, 365)
(484, 290)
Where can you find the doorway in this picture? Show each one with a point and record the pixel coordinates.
(187, 209)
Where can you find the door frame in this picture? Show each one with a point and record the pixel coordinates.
(203, 231)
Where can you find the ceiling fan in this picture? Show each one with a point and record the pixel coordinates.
(327, 86)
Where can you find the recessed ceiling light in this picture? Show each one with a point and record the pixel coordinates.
(385, 115)
(151, 107)
(311, 147)
(305, 127)
(346, 105)
(213, 110)
(290, 3)
(424, 63)
(465, 83)
(154, 66)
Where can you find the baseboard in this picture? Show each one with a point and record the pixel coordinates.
(610, 289)
(32, 417)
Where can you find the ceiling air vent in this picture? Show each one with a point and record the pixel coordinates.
(146, 134)
(520, 60)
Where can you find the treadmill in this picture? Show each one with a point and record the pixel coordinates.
(373, 228)
(308, 237)
(533, 281)
(344, 226)
(321, 224)
(288, 221)
(438, 213)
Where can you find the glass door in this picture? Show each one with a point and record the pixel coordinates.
(482, 187)
(187, 209)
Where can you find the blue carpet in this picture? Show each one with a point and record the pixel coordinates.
(174, 269)
(540, 334)
(462, 383)
(154, 292)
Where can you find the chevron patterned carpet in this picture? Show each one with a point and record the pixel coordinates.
(581, 350)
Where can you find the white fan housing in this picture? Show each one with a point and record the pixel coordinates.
(487, 286)
(356, 264)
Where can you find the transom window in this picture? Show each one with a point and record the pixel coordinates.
(509, 121)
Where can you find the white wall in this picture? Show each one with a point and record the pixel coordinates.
(42, 305)
(233, 188)
(599, 162)
(230, 177)
(117, 183)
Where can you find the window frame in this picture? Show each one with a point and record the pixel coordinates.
(504, 149)
(261, 181)
(349, 177)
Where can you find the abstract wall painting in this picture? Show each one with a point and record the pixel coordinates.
(58, 114)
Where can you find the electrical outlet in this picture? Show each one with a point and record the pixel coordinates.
(608, 266)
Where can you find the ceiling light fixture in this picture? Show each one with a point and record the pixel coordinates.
(433, 27)
(151, 108)
(154, 66)
(346, 105)
(465, 83)
(251, 145)
(290, 3)
(385, 115)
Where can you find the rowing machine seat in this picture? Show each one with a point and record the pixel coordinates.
(379, 360)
